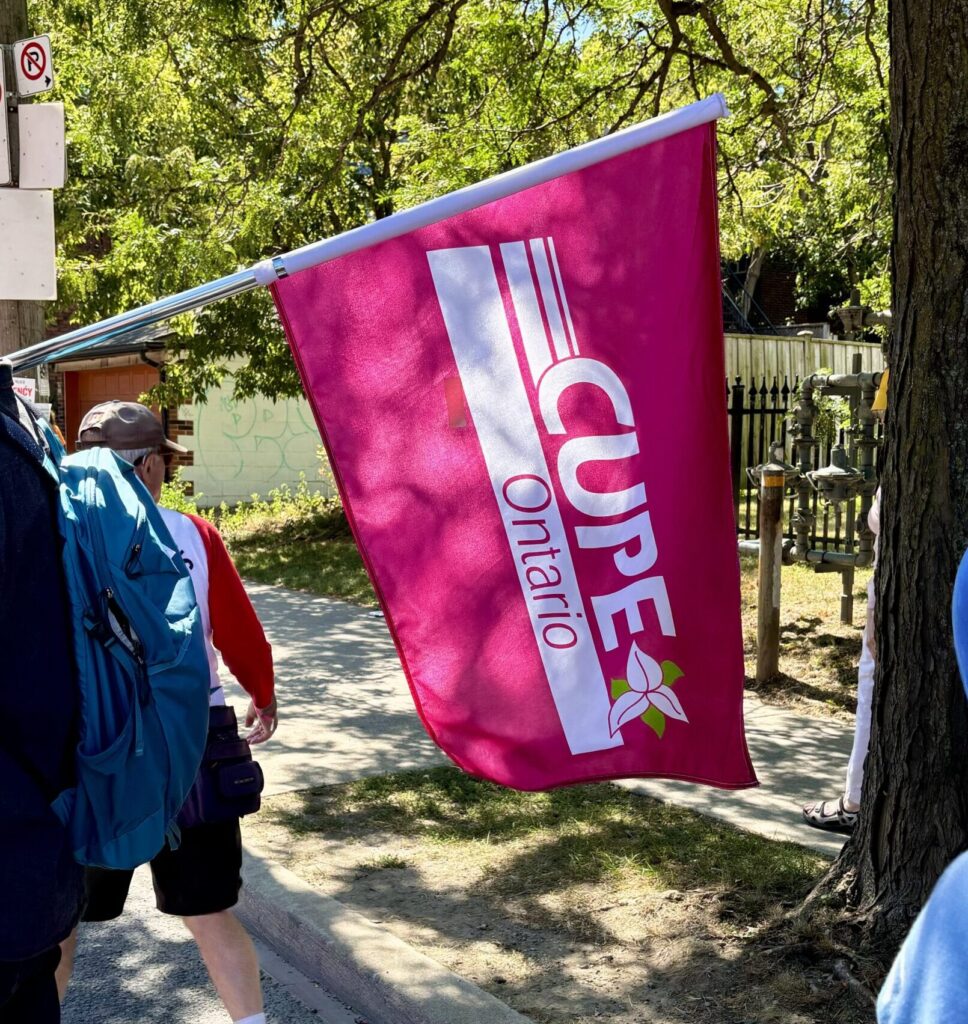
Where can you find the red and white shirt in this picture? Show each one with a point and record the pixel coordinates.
(229, 621)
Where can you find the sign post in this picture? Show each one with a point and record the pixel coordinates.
(5, 169)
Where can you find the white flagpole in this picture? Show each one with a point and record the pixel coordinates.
(469, 198)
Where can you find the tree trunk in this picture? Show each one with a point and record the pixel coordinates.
(21, 323)
(753, 272)
(914, 816)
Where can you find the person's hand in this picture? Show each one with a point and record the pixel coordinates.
(264, 719)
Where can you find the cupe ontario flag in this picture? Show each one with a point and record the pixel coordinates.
(524, 407)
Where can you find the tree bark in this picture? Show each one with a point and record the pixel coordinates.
(914, 816)
(21, 323)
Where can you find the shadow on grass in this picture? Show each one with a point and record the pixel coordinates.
(329, 568)
(783, 685)
(725, 884)
(816, 664)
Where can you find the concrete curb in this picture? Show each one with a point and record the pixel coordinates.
(363, 965)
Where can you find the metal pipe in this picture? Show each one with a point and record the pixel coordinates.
(752, 547)
(842, 383)
(839, 558)
(461, 201)
(144, 316)
(803, 518)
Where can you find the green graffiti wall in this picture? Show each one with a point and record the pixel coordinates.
(250, 447)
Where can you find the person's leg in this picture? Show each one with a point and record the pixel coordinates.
(105, 894)
(28, 991)
(66, 966)
(200, 882)
(841, 815)
(862, 728)
(231, 961)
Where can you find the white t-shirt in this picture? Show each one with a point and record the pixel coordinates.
(192, 549)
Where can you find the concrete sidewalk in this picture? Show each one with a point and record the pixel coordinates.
(144, 967)
(346, 711)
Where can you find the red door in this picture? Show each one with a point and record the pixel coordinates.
(86, 388)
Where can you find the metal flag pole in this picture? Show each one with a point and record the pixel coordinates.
(468, 198)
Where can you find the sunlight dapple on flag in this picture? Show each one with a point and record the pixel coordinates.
(525, 411)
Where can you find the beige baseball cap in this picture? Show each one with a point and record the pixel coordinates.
(123, 426)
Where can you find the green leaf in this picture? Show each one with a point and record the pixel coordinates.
(671, 672)
(655, 720)
(619, 686)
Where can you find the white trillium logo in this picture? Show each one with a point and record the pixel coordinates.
(648, 687)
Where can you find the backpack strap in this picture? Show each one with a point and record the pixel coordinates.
(47, 440)
(39, 440)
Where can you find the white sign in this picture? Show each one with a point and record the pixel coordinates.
(24, 386)
(27, 268)
(5, 176)
(43, 163)
(43, 381)
(31, 60)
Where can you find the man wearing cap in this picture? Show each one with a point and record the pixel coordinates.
(200, 880)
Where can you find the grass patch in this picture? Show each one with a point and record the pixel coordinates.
(332, 568)
(387, 862)
(579, 834)
(818, 654)
(299, 540)
(574, 905)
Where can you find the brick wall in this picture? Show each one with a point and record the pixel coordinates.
(776, 293)
(57, 398)
(181, 429)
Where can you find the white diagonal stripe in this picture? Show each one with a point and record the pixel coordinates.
(476, 321)
(572, 337)
(549, 299)
(526, 307)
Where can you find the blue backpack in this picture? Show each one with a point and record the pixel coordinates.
(142, 667)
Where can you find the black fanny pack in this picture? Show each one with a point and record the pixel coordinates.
(229, 782)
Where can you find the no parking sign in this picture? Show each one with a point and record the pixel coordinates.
(32, 62)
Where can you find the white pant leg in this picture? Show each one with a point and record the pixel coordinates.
(862, 723)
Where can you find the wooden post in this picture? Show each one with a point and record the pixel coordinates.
(771, 562)
(847, 595)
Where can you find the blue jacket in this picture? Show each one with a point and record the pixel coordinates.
(42, 885)
(928, 983)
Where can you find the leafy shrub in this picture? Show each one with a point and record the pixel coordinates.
(175, 495)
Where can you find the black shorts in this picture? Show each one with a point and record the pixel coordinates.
(203, 876)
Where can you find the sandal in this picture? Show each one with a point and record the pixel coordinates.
(835, 818)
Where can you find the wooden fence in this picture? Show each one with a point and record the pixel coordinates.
(758, 356)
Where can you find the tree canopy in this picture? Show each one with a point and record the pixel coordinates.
(206, 135)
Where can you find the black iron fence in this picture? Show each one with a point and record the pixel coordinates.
(760, 413)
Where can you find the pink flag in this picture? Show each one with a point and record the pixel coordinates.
(524, 406)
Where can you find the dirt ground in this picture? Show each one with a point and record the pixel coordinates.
(574, 907)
